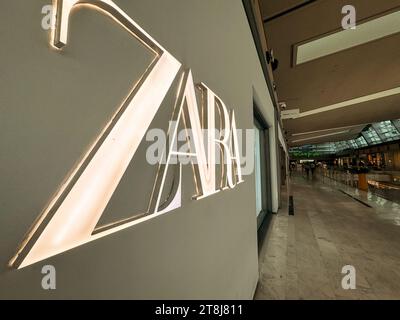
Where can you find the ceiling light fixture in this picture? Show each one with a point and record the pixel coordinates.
(345, 39)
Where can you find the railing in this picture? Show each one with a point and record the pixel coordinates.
(346, 178)
(380, 184)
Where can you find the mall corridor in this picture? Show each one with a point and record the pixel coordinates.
(303, 255)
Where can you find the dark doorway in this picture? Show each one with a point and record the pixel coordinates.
(262, 169)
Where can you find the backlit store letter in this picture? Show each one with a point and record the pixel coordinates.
(71, 217)
(204, 162)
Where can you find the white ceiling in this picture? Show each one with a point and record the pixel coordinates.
(341, 88)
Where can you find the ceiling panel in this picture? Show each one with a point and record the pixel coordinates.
(366, 32)
(356, 72)
(365, 113)
(333, 135)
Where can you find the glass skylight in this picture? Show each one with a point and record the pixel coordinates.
(377, 133)
(372, 136)
(361, 142)
(386, 131)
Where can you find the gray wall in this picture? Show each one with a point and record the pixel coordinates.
(52, 105)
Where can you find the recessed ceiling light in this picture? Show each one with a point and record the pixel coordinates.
(295, 113)
(322, 136)
(366, 32)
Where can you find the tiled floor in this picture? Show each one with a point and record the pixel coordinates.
(303, 255)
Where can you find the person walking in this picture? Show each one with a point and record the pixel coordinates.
(307, 168)
(312, 166)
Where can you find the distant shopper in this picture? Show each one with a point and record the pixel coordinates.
(292, 168)
(312, 166)
(307, 168)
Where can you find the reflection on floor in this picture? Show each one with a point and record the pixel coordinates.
(303, 255)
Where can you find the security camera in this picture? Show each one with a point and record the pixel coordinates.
(282, 105)
(269, 55)
(274, 64)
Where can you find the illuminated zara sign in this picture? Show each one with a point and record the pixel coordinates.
(72, 215)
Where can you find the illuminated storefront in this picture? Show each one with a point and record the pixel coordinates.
(80, 103)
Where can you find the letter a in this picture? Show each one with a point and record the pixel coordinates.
(349, 20)
(349, 280)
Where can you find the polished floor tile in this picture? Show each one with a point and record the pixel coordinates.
(303, 255)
